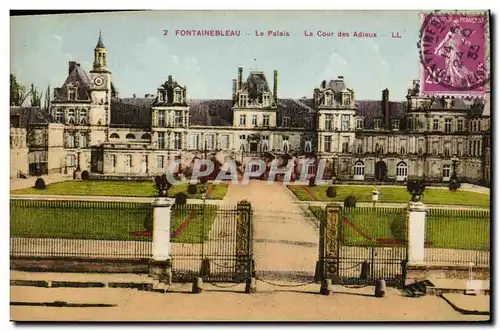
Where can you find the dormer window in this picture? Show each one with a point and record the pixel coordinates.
(243, 100)
(346, 100)
(328, 99)
(377, 124)
(359, 124)
(72, 93)
(160, 96)
(286, 121)
(307, 124)
(177, 96)
(395, 124)
(266, 98)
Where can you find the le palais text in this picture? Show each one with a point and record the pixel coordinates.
(276, 33)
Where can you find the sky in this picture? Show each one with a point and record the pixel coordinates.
(141, 58)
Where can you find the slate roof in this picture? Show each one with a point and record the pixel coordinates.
(100, 44)
(255, 86)
(215, 112)
(296, 110)
(131, 112)
(77, 77)
(372, 109)
(22, 117)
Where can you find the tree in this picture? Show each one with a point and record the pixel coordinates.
(18, 93)
(36, 96)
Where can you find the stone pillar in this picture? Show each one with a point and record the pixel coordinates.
(416, 233)
(160, 264)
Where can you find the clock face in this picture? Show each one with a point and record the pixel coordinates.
(98, 81)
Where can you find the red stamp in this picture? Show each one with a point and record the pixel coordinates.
(453, 53)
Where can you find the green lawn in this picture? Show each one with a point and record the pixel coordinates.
(459, 229)
(104, 221)
(391, 194)
(119, 188)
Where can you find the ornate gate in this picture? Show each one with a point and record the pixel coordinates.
(219, 248)
(351, 250)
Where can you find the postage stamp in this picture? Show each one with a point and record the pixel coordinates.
(453, 51)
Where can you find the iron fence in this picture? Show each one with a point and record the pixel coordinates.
(457, 237)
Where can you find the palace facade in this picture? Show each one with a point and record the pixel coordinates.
(92, 128)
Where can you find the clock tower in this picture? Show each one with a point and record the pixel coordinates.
(100, 82)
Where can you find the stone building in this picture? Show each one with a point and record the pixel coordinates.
(359, 140)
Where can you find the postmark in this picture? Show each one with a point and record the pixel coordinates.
(453, 53)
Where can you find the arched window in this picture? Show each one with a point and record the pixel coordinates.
(359, 171)
(401, 171)
(114, 136)
(146, 136)
(130, 136)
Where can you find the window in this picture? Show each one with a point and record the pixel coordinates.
(446, 172)
(265, 120)
(71, 140)
(359, 169)
(242, 142)
(83, 116)
(128, 163)
(328, 99)
(70, 160)
(254, 120)
(402, 151)
(224, 142)
(177, 140)
(435, 148)
(59, 116)
(345, 147)
(243, 100)
(307, 123)
(160, 162)
(161, 118)
(177, 96)
(401, 171)
(345, 122)
(460, 125)
(311, 168)
(114, 136)
(447, 149)
(146, 136)
(264, 145)
(378, 124)
(83, 140)
(112, 162)
(265, 100)
(161, 140)
(71, 116)
(447, 125)
(209, 141)
(459, 149)
(435, 124)
(360, 149)
(178, 118)
(243, 119)
(72, 93)
(359, 124)
(308, 146)
(395, 124)
(194, 141)
(328, 143)
(130, 136)
(144, 164)
(286, 121)
(328, 122)
(347, 99)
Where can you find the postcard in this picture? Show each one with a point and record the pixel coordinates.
(327, 165)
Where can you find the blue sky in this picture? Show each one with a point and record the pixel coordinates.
(141, 58)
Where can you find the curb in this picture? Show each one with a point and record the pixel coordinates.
(70, 284)
(464, 311)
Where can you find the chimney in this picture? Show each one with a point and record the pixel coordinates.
(240, 77)
(72, 65)
(275, 87)
(385, 108)
(235, 84)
